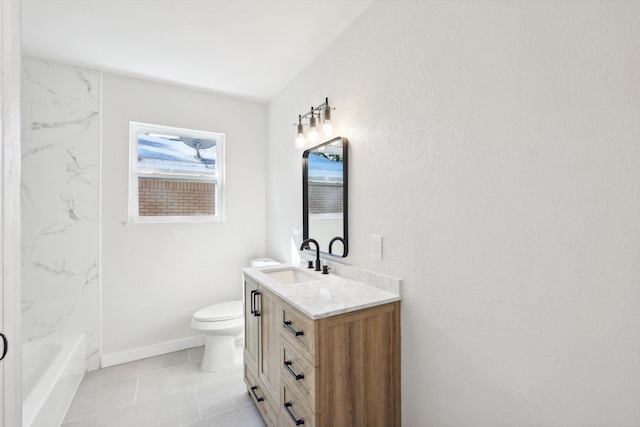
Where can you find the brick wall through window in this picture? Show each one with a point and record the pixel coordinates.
(325, 198)
(164, 197)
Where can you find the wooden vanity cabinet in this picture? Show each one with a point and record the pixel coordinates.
(338, 371)
(343, 370)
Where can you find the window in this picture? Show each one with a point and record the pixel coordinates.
(175, 174)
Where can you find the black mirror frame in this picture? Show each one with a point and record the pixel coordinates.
(345, 187)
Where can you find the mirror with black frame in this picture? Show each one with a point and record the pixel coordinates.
(324, 196)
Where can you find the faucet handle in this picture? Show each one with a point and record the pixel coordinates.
(325, 269)
(309, 264)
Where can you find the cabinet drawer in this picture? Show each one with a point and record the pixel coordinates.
(298, 372)
(262, 400)
(299, 329)
(293, 410)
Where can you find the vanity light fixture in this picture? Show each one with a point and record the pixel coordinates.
(322, 111)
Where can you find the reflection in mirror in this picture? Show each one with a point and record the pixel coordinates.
(324, 195)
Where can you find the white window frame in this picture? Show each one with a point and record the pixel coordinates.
(134, 173)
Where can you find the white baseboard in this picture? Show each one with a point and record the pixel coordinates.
(149, 351)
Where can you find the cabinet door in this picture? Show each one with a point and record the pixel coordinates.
(268, 362)
(251, 325)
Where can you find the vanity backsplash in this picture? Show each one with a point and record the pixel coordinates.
(371, 278)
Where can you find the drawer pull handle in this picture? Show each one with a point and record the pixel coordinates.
(293, 418)
(253, 391)
(256, 312)
(287, 364)
(287, 324)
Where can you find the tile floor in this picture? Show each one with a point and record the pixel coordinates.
(163, 391)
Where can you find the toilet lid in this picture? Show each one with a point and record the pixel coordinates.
(218, 312)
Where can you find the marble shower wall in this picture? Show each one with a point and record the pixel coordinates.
(60, 203)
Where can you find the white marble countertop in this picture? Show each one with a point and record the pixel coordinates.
(327, 296)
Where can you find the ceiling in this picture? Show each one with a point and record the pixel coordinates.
(246, 48)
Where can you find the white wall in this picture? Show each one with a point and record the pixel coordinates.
(503, 139)
(60, 203)
(155, 276)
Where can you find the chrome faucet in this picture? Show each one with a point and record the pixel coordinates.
(305, 245)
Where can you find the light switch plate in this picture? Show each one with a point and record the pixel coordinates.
(376, 247)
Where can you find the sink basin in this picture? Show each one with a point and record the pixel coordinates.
(291, 276)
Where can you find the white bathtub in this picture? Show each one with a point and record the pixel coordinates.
(51, 372)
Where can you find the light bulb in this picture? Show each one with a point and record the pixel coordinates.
(327, 128)
(313, 131)
(300, 140)
(313, 134)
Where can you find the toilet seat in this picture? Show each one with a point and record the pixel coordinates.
(223, 327)
(229, 310)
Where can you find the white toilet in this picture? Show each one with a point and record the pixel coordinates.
(223, 325)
